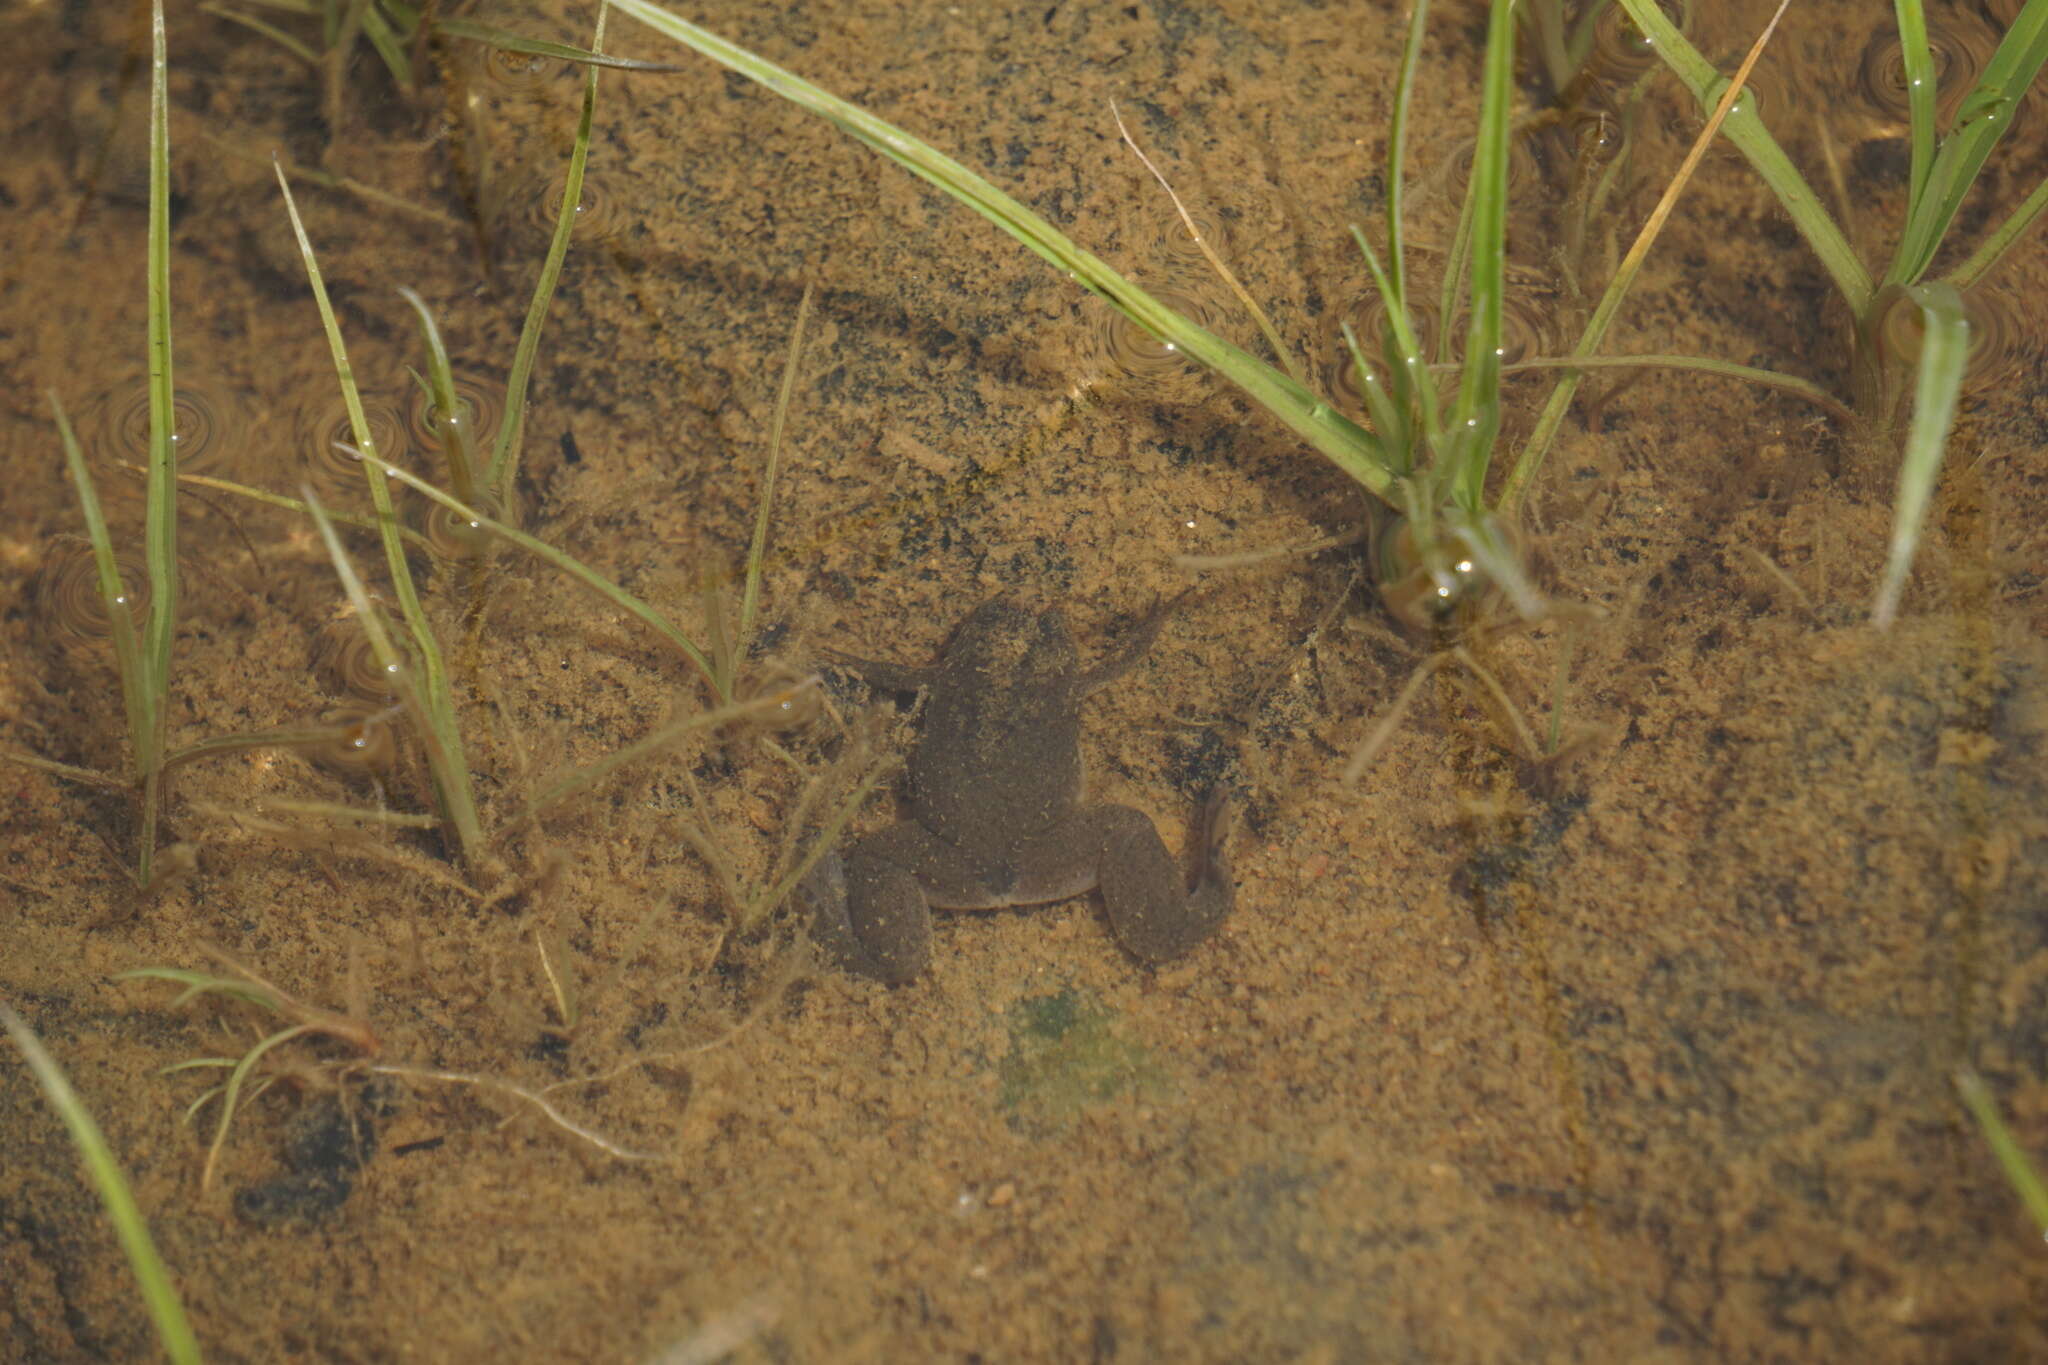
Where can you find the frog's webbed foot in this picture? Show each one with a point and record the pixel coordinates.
(1141, 888)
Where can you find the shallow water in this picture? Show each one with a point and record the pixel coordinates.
(1643, 1054)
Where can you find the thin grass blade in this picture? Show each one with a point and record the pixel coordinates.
(389, 44)
(451, 423)
(159, 1295)
(135, 695)
(472, 31)
(2025, 1180)
(1733, 108)
(582, 779)
(433, 704)
(1460, 467)
(232, 1091)
(1986, 112)
(1346, 444)
(1944, 353)
(583, 574)
(1917, 59)
(2002, 239)
(1755, 142)
(1409, 380)
(268, 30)
(1397, 150)
(504, 467)
(160, 509)
(757, 550)
(1387, 417)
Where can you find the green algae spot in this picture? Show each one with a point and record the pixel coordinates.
(1065, 1056)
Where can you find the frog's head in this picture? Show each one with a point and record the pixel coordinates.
(1001, 639)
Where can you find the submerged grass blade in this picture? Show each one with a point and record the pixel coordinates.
(1917, 60)
(2026, 1181)
(1944, 352)
(583, 574)
(1459, 469)
(582, 779)
(450, 776)
(160, 514)
(451, 423)
(434, 704)
(1730, 103)
(1727, 369)
(475, 32)
(504, 467)
(136, 697)
(159, 1295)
(231, 1095)
(1754, 141)
(1346, 444)
(2002, 239)
(268, 30)
(757, 549)
(1981, 122)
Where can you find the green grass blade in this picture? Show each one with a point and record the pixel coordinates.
(1918, 60)
(582, 779)
(296, 738)
(1750, 136)
(757, 550)
(1981, 121)
(135, 695)
(1346, 444)
(2008, 233)
(475, 32)
(67, 771)
(1944, 352)
(1460, 467)
(1386, 414)
(827, 839)
(232, 1091)
(504, 467)
(289, 504)
(2026, 1181)
(1726, 369)
(268, 30)
(451, 424)
(160, 514)
(159, 1295)
(1410, 385)
(198, 983)
(1397, 148)
(389, 45)
(577, 570)
(447, 766)
(434, 704)
(1733, 107)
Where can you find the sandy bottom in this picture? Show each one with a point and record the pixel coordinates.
(1641, 1051)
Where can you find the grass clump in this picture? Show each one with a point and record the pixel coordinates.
(1425, 459)
(143, 648)
(1943, 168)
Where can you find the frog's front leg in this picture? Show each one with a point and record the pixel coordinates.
(874, 904)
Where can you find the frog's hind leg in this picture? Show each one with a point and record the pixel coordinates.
(1154, 916)
(873, 915)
